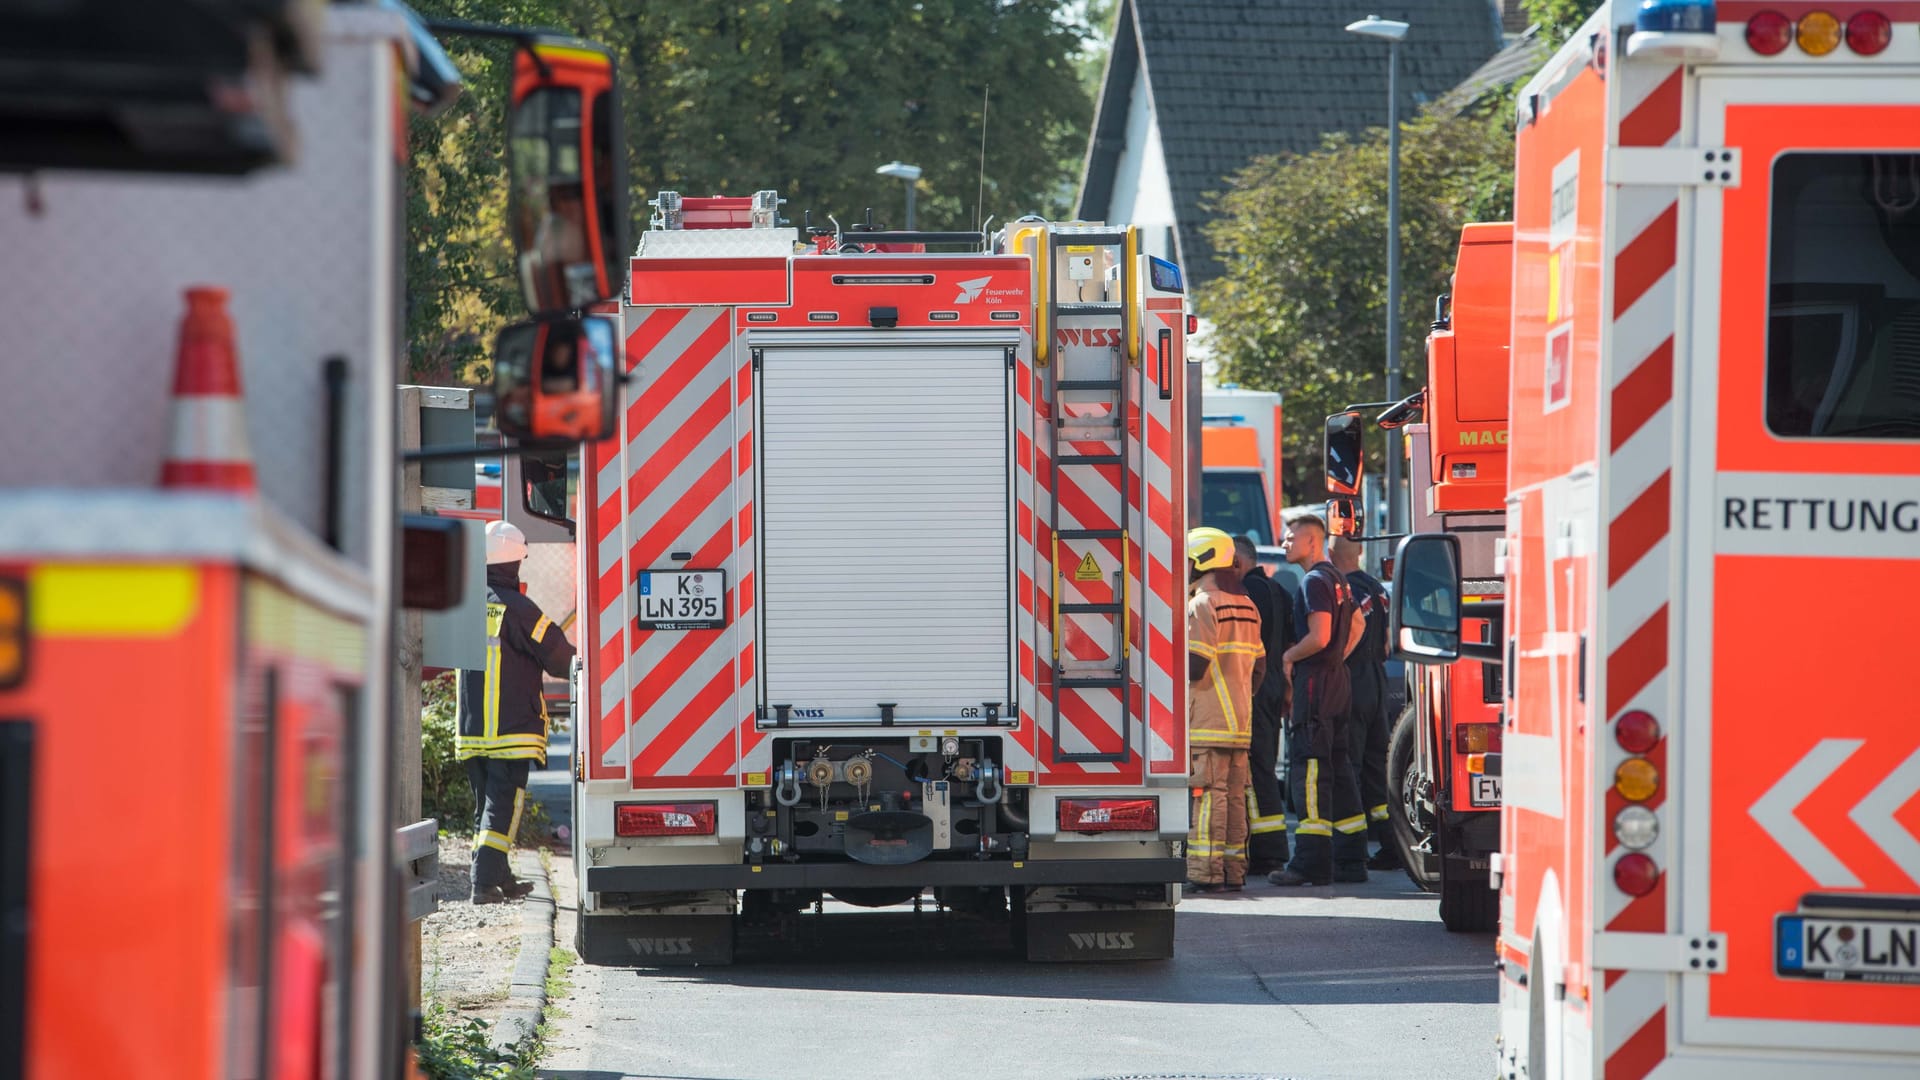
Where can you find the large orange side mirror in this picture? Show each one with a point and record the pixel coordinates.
(556, 382)
(567, 168)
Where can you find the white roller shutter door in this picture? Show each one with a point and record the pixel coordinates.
(885, 542)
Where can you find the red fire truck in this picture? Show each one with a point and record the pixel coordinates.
(1710, 860)
(882, 588)
(1443, 757)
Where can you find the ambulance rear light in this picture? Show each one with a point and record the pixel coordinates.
(1769, 33)
(1636, 874)
(1869, 32)
(1637, 732)
(1636, 827)
(1110, 815)
(665, 819)
(1636, 779)
(1476, 738)
(1818, 33)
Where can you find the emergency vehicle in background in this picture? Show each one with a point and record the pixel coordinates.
(1240, 465)
(1443, 756)
(1709, 861)
(204, 668)
(884, 582)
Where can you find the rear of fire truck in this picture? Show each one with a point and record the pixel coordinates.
(883, 590)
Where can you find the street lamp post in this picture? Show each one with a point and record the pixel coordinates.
(1392, 33)
(902, 171)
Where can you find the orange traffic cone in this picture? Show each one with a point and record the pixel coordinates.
(209, 448)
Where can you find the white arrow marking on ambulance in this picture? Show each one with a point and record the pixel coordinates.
(1775, 809)
(1875, 813)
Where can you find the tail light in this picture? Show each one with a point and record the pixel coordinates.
(665, 819)
(1636, 779)
(1868, 32)
(1476, 738)
(1818, 33)
(1636, 827)
(13, 632)
(1110, 815)
(1769, 33)
(1637, 732)
(1636, 874)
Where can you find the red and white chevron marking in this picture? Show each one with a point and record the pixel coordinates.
(669, 490)
(1639, 516)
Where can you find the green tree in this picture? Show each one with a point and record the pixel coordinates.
(1558, 19)
(803, 96)
(1301, 307)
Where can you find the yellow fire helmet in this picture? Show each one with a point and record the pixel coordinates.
(1209, 549)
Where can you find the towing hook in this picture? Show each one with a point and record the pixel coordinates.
(989, 790)
(786, 790)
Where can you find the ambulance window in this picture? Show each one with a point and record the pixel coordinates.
(1843, 318)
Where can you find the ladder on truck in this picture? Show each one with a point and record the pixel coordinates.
(1090, 416)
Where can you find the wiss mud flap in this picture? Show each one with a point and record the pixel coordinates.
(1097, 936)
(657, 940)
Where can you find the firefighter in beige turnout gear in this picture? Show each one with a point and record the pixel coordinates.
(503, 715)
(1225, 660)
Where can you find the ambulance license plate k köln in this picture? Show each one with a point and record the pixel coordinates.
(683, 599)
(1847, 949)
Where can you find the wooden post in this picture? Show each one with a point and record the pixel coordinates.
(406, 727)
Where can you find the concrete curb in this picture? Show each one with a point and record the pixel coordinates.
(527, 989)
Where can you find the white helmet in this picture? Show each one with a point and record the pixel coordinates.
(505, 543)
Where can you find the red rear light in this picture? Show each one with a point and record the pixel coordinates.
(1868, 32)
(1193, 324)
(1636, 731)
(1476, 738)
(1636, 874)
(1110, 815)
(1769, 33)
(665, 819)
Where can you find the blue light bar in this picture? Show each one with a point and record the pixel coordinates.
(1675, 16)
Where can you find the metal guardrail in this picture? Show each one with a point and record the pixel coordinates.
(417, 847)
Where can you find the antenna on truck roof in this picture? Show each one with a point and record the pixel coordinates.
(980, 195)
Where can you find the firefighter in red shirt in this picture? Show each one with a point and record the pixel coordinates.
(1225, 660)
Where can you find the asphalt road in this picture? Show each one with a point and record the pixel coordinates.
(1352, 981)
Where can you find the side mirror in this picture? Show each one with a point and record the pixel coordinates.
(1343, 518)
(567, 171)
(1345, 464)
(1424, 621)
(555, 382)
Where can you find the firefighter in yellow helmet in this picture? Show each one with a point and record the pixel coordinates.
(1225, 661)
(502, 714)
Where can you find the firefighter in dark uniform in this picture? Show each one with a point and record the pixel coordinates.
(503, 715)
(1320, 780)
(1266, 810)
(1367, 733)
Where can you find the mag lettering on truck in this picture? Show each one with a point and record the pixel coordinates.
(780, 698)
(1708, 861)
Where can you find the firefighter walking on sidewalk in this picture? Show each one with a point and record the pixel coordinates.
(1224, 662)
(503, 715)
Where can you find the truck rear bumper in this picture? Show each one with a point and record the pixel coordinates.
(833, 875)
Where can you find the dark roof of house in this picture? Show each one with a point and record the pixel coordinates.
(1231, 80)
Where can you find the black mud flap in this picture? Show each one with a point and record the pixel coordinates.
(1099, 936)
(656, 940)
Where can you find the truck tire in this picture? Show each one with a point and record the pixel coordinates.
(1406, 836)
